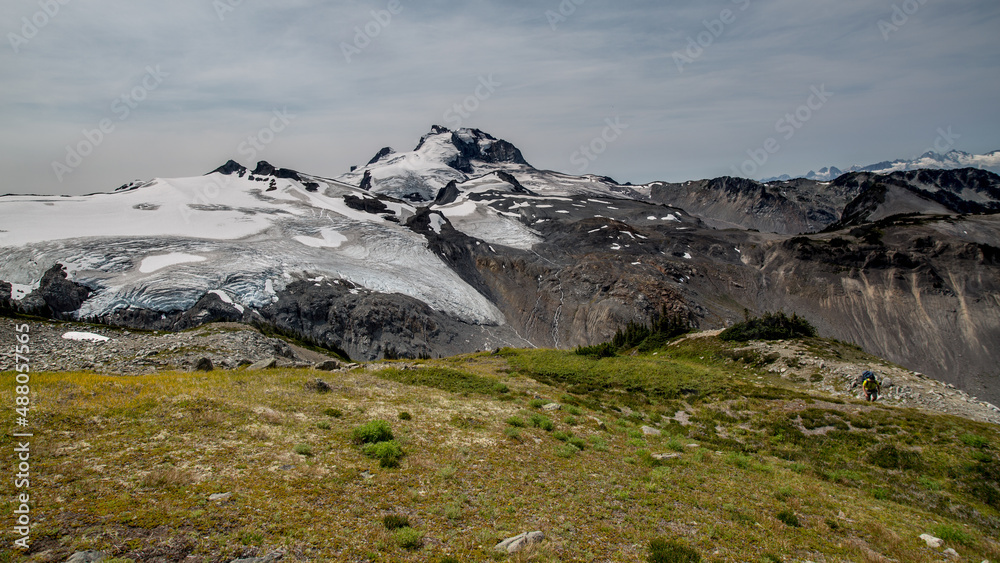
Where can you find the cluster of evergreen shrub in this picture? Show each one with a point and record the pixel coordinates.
(377, 442)
(771, 326)
(657, 333)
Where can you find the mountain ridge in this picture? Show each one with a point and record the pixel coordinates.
(951, 160)
(509, 255)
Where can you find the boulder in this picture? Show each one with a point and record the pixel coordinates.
(519, 542)
(273, 556)
(551, 407)
(650, 431)
(931, 541)
(87, 557)
(327, 365)
(263, 364)
(204, 364)
(318, 385)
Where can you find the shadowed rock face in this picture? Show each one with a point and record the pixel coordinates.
(56, 296)
(941, 192)
(792, 207)
(806, 206)
(6, 292)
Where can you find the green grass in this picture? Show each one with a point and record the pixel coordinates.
(657, 378)
(666, 551)
(974, 441)
(408, 538)
(124, 456)
(445, 379)
(951, 534)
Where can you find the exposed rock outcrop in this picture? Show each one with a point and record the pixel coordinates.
(56, 295)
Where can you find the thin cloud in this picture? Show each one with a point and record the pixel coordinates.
(559, 79)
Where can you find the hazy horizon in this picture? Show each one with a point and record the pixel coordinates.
(696, 90)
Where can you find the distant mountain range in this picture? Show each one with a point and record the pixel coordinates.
(461, 245)
(930, 160)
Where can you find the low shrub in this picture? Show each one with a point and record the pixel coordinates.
(566, 450)
(789, 518)
(666, 551)
(516, 422)
(408, 538)
(539, 421)
(304, 450)
(606, 350)
(888, 456)
(335, 413)
(599, 444)
(951, 534)
(405, 416)
(395, 522)
(387, 453)
(372, 432)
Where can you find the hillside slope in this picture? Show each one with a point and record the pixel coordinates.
(738, 452)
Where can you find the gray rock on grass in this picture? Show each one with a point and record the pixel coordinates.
(87, 557)
(931, 541)
(519, 542)
(273, 556)
(263, 364)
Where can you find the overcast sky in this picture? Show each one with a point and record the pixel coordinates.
(692, 86)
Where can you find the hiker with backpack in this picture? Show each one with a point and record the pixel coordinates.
(871, 386)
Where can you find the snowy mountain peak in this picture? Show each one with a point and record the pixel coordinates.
(230, 167)
(440, 157)
(386, 151)
(929, 160)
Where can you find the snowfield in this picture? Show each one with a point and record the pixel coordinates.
(85, 337)
(166, 244)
